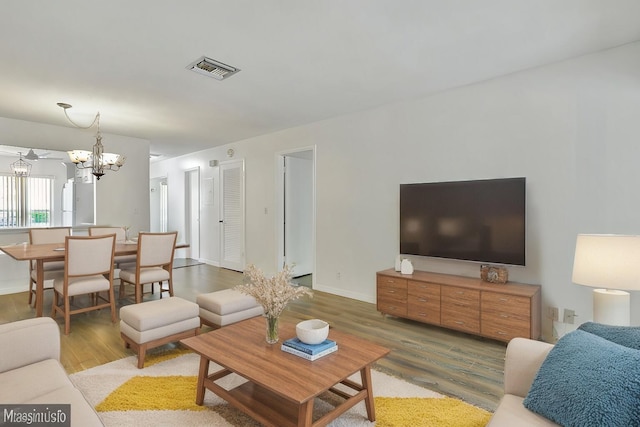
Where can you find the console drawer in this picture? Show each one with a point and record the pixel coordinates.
(460, 320)
(391, 282)
(495, 302)
(505, 330)
(392, 295)
(423, 302)
(460, 308)
(460, 296)
(424, 309)
(393, 307)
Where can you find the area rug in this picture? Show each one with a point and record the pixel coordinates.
(163, 394)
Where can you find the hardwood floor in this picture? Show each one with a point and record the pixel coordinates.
(452, 363)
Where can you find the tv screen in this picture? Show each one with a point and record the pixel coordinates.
(482, 220)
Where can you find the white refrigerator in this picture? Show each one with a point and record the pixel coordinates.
(78, 204)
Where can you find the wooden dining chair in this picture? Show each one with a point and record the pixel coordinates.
(120, 232)
(154, 264)
(88, 269)
(121, 237)
(52, 269)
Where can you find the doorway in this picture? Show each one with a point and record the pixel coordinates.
(232, 215)
(192, 212)
(159, 205)
(296, 213)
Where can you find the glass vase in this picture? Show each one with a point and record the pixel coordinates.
(272, 329)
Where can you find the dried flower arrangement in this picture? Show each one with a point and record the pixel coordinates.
(273, 294)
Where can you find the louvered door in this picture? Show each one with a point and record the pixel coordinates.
(232, 215)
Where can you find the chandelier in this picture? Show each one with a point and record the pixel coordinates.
(20, 167)
(97, 160)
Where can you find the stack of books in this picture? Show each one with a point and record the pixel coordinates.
(309, 351)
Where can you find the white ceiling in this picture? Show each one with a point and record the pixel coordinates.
(301, 60)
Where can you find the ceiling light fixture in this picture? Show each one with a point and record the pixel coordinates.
(20, 167)
(97, 160)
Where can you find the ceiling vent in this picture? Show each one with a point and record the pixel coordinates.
(212, 68)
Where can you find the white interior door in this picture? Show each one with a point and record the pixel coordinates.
(232, 215)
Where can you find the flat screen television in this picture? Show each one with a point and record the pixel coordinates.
(481, 220)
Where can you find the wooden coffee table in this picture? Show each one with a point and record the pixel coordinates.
(282, 387)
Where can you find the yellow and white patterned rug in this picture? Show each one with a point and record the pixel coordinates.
(163, 394)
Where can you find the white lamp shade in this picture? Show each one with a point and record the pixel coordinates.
(607, 261)
(79, 156)
(109, 158)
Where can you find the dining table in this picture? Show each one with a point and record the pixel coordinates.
(42, 253)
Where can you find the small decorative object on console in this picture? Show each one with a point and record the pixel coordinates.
(398, 263)
(406, 267)
(493, 274)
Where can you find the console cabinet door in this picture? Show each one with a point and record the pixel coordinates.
(392, 295)
(460, 309)
(423, 302)
(505, 316)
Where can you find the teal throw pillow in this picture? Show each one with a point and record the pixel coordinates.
(588, 381)
(628, 336)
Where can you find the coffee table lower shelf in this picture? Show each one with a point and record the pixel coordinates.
(273, 410)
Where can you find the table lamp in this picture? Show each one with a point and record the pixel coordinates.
(610, 263)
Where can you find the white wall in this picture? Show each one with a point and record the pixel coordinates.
(122, 198)
(570, 128)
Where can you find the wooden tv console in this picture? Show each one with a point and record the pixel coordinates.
(497, 311)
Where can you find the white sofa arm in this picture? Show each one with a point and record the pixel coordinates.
(523, 359)
(28, 341)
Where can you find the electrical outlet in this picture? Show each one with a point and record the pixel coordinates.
(569, 316)
(338, 275)
(553, 313)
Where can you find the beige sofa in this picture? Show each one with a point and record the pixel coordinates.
(524, 358)
(31, 373)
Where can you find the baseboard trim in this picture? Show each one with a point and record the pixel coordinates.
(6, 290)
(347, 294)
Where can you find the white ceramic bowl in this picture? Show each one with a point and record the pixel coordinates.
(312, 331)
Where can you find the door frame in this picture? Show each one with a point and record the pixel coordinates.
(280, 208)
(163, 210)
(239, 266)
(189, 220)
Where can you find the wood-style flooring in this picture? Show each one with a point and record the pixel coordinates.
(452, 363)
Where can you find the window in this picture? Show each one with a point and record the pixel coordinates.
(25, 201)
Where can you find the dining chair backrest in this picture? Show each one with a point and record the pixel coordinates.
(38, 236)
(121, 234)
(89, 255)
(156, 249)
(50, 269)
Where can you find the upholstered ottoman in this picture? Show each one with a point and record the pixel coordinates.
(154, 323)
(225, 307)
